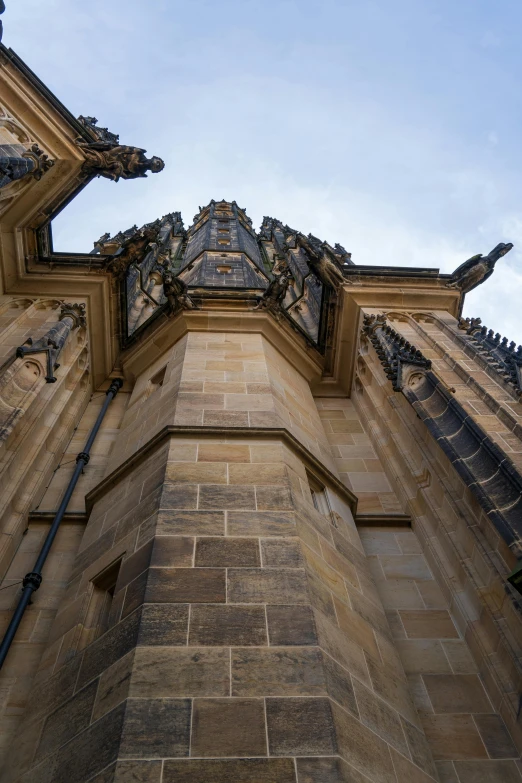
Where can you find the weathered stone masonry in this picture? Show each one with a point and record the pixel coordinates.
(287, 559)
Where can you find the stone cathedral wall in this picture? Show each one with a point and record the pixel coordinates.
(224, 615)
(468, 704)
(36, 461)
(254, 582)
(246, 638)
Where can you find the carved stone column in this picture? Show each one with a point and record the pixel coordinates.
(72, 316)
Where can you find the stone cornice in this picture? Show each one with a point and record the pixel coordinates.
(168, 331)
(230, 433)
(373, 296)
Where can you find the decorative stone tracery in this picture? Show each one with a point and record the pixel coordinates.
(483, 466)
(504, 357)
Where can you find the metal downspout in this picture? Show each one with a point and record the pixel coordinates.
(33, 580)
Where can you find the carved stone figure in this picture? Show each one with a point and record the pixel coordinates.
(325, 269)
(176, 291)
(117, 161)
(133, 250)
(274, 295)
(477, 269)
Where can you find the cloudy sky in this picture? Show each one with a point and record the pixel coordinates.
(391, 126)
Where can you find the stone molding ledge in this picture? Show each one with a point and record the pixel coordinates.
(243, 433)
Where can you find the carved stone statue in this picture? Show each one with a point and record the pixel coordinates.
(325, 269)
(133, 250)
(477, 269)
(176, 291)
(117, 161)
(274, 295)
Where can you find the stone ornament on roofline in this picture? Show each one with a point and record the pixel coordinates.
(31, 162)
(393, 350)
(106, 157)
(477, 269)
(504, 357)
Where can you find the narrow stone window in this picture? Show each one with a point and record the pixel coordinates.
(319, 496)
(98, 619)
(156, 381)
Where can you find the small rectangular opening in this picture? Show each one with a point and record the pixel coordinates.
(319, 496)
(98, 619)
(159, 377)
(156, 382)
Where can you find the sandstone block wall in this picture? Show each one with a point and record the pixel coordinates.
(355, 457)
(246, 638)
(465, 553)
(249, 634)
(38, 424)
(467, 737)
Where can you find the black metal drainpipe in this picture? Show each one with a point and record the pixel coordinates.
(33, 580)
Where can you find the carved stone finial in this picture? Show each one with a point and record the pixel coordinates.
(76, 311)
(502, 356)
(102, 134)
(470, 325)
(477, 269)
(265, 232)
(31, 162)
(42, 162)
